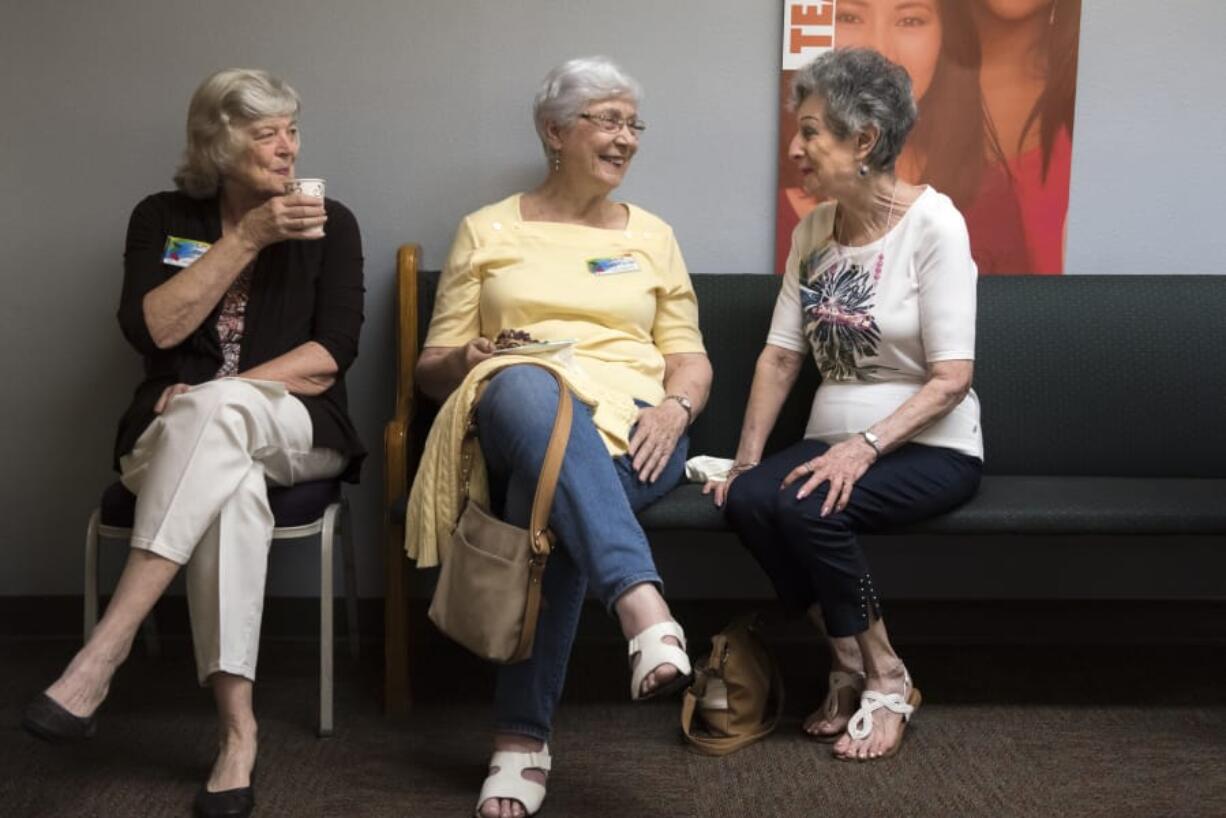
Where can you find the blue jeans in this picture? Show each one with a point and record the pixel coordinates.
(598, 539)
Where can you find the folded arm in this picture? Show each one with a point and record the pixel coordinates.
(308, 369)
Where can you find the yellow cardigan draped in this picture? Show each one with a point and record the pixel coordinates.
(437, 497)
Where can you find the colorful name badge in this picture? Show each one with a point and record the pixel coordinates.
(183, 252)
(612, 266)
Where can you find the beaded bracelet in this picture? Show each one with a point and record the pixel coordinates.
(739, 468)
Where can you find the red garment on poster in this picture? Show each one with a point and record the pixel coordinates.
(994, 221)
(1044, 202)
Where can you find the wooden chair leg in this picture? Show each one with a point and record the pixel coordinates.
(397, 698)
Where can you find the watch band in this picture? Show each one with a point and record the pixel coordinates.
(872, 440)
(685, 404)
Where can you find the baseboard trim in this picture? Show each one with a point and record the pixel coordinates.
(935, 622)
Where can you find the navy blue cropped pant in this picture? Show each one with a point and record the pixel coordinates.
(811, 559)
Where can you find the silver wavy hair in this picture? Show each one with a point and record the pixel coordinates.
(222, 104)
(860, 87)
(570, 87)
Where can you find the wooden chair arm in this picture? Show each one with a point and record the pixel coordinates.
(396, 440)
(397, 443)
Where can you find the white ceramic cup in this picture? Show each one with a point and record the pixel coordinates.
(308, 187)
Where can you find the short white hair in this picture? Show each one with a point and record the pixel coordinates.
(224, 102)
(570, 87)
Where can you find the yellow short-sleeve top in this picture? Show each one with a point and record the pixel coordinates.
(625, 295)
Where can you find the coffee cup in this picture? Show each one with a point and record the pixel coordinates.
(308, 187)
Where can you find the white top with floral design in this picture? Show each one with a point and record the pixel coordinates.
(876, 315)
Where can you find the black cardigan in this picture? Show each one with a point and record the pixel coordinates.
(301, 291)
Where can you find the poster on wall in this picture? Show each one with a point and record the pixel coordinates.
(995, 81)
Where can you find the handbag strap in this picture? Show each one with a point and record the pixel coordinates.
(540, 537)
(551, 467)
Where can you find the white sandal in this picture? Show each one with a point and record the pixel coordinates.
(509, 782)
(840, 680)
(861, 724)
(653, 652)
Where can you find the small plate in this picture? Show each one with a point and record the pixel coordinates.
(543, 346)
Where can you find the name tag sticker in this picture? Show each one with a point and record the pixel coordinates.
(183, 252)
(612, 266)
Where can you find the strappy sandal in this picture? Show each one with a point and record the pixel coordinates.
(653, 652)
(509, 782)
(861, 724)
(839, 681)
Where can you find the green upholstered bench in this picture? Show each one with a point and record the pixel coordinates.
(1102, 399)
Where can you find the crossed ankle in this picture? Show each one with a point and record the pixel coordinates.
(890, 671)
(841, 666)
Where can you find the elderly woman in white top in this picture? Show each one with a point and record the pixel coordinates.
(880, 289)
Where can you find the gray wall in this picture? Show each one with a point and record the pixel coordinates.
(419, 112)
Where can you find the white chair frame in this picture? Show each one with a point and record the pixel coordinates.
(334, 524)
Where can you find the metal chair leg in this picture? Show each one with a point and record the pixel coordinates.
(348, 546)
(148, 627)
(91, 575)
(326, 602)
(149, 635)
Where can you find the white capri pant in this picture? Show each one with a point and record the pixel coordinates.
(200, 474)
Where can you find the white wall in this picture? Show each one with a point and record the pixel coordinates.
(418, 112)
(1149, 154)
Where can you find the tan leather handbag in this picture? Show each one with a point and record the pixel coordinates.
(737, 694)
(488, 596)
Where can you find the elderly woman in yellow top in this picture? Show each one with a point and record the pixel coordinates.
(564, 261)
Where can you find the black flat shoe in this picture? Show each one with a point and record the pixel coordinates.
(236, 803)
(49, 720)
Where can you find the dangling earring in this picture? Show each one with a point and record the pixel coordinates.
(863, 170)
(557, 161)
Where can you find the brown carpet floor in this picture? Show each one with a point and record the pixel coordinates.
(1033, 731)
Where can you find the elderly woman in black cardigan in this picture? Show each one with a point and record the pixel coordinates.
(245, 301)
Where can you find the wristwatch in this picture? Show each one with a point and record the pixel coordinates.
(872, 440)
(685, 404)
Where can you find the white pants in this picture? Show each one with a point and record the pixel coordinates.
(200, 474)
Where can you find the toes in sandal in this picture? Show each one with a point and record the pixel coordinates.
(861, 724)
(839, 681)
(508, 781)
(653, 652)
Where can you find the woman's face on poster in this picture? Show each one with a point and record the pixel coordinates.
(907, 32)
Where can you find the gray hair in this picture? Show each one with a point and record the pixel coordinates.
(570, 87)
(860, 88)
(225, 101)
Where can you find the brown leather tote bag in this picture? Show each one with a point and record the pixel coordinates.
(737, 694)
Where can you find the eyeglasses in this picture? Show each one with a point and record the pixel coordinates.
(612, 123)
